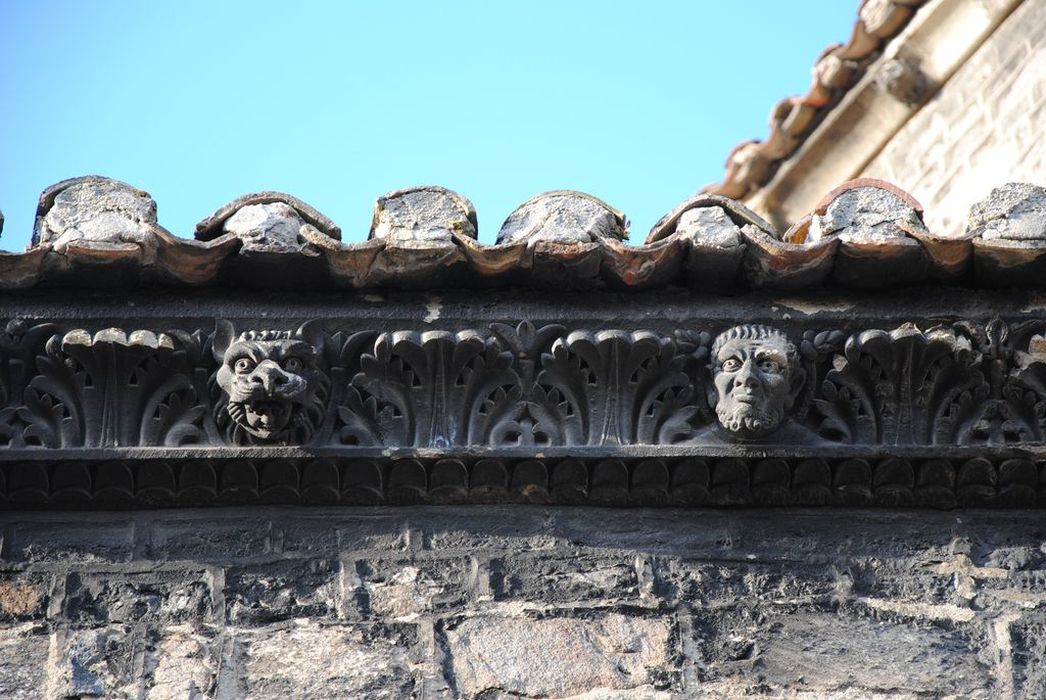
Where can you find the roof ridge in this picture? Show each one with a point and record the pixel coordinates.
(752, 163)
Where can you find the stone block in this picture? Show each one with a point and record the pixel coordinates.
(70, 541)
(95, 210)
(184, 664)
(496, 528)
(827, 652)
(105, 662)
(423, 216)
(24, 595)
(23, 661)
(1028, 656)
(558, 657)
(215, 540)
(314, 662)
(1016, 211)
(565, 577)
(327, 537)
(405, 588)
(270, 227)
(710, 583)
(151, 596)
(282, 590)
(563, 217)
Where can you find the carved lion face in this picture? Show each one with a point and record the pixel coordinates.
(752, 370)
(273, 388)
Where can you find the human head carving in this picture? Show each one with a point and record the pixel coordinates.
(756, 377)
(272, 387)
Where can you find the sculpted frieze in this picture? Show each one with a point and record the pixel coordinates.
(522, 386)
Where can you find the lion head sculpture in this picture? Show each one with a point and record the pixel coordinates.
(271, 387)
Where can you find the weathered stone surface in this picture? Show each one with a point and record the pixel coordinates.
(154, 596)
(404, 589)
(70, 541)
(566, 577)
(215, 225)
(98, 662)
(557, 657)
(95, 210)
(184, 665)
(23, 661)
(24, 595)
(866, 215)
(713, 584)
(273, 227)
(551, 601)
(903, 79)
(314, 662)
(709, 226)
(1014, 212)
(221, 541)
(563, 217)
(281, 590)
(827, 652)
(423, 216)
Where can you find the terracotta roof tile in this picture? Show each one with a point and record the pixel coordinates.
(97, 232)
(752, 163)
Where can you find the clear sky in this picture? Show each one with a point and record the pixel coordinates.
(637, 103)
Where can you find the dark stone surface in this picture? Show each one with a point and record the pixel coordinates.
(496, 601)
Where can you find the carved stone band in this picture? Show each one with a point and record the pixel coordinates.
(522, 385)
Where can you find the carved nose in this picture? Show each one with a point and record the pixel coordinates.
(747, 376)
(269, 375)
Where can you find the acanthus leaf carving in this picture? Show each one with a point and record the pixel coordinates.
(111, 389)
(617, 387)
(430, 389)
(900, 387)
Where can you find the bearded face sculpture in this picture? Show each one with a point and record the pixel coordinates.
(272, 389)
(756, 377)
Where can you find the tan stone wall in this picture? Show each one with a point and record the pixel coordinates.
(986, 126)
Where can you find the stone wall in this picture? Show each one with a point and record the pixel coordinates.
(522, 601)
(982, 129)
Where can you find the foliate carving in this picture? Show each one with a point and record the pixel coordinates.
(902, 387)
(430, 389)
(617, 387)
(270, 386)
(1009, 408)
(522, 385)
(111, 389)
(531, 421)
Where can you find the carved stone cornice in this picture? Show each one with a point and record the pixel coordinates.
(220, 397)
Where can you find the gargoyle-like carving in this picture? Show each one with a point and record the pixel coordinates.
(271, 386)
(756, 378)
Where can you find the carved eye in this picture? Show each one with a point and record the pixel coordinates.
(243, 365)
(732, 365)
(768, 365)
(293, 364)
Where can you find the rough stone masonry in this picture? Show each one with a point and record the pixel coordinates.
(522, 602)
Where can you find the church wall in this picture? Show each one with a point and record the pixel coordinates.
(982, 129)
(521, 601)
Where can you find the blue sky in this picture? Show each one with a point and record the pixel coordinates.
(339, 102)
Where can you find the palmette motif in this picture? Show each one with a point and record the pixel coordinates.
(521, 386)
